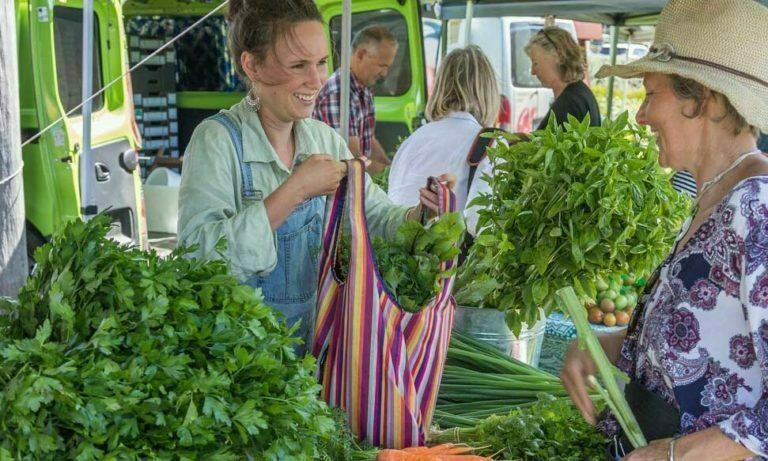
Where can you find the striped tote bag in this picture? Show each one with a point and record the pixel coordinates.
(379, 363)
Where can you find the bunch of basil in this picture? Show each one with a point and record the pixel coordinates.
(115, 353)
(570, 204)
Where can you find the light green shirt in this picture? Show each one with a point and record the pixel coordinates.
(211, 205)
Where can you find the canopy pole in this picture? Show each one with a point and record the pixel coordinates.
(468, 22)
(13, 243)
(624, 81)
(346, 58)
(85, 161)
(611, 79)
(443, 38)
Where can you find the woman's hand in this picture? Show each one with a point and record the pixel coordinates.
(318, 175)
(428, 198)
(578, 364)
(657, 450)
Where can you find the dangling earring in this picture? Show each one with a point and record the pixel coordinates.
(254, 102)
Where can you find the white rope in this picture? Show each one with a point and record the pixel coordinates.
(139, 64)
(16, 173)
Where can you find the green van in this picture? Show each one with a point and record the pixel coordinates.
(206, 81)
(49, 36)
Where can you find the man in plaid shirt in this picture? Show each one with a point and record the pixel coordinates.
(373, 51)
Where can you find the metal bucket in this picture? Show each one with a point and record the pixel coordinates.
(489, 326)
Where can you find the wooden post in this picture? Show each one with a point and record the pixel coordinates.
(13, 244)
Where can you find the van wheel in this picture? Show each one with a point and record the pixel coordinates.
(34, 240)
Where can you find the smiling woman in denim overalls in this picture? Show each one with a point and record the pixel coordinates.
(258, 174)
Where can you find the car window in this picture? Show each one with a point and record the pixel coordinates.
(398, 81)
(620, 50)
(521, 63)
(68, 44)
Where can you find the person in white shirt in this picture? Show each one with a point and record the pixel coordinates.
(465, 100)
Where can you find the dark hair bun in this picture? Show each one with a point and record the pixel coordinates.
(255, 25)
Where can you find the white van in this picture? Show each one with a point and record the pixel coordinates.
(524, 101)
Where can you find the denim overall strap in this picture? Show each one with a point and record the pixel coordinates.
(291, 287)
(237, 140)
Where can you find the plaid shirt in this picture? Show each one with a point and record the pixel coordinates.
(361, 114)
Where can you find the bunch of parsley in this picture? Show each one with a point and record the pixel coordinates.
(116, 353)
(550, 429)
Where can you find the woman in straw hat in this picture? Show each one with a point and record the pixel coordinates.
(696, 349)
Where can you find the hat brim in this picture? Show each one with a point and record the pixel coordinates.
(750, 98)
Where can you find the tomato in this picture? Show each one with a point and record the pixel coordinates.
(595, 316)
(601, 284)
(607, 305)
(621, 302)
(622, 318)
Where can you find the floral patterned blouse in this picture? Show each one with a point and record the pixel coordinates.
(702, 340)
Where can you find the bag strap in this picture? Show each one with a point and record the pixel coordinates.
(237, 140)
(332, 233)
(476, 155)
(478, 152)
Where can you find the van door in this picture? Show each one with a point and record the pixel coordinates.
(401, 96)
(53, 198)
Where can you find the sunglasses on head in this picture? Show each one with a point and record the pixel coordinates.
(546, 35)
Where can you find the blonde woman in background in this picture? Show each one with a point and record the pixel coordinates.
(465, 100)
(558, 63)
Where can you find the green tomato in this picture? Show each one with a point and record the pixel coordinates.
(631, 300)
(601, 284)
(613, 285)
(610, 294)
(621, 302)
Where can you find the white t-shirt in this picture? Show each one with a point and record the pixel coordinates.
(436, 148)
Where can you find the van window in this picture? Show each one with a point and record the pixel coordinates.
(68, 44)
(398, 81)
(520, 33)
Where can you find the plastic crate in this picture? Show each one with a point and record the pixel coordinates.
(150, 80)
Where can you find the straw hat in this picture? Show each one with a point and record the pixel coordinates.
(716, 43)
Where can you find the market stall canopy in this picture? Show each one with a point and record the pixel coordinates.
(615, 12)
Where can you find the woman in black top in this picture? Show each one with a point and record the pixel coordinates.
(558, 64)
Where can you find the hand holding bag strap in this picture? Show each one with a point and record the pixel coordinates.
(332, 233)
(446, 199)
